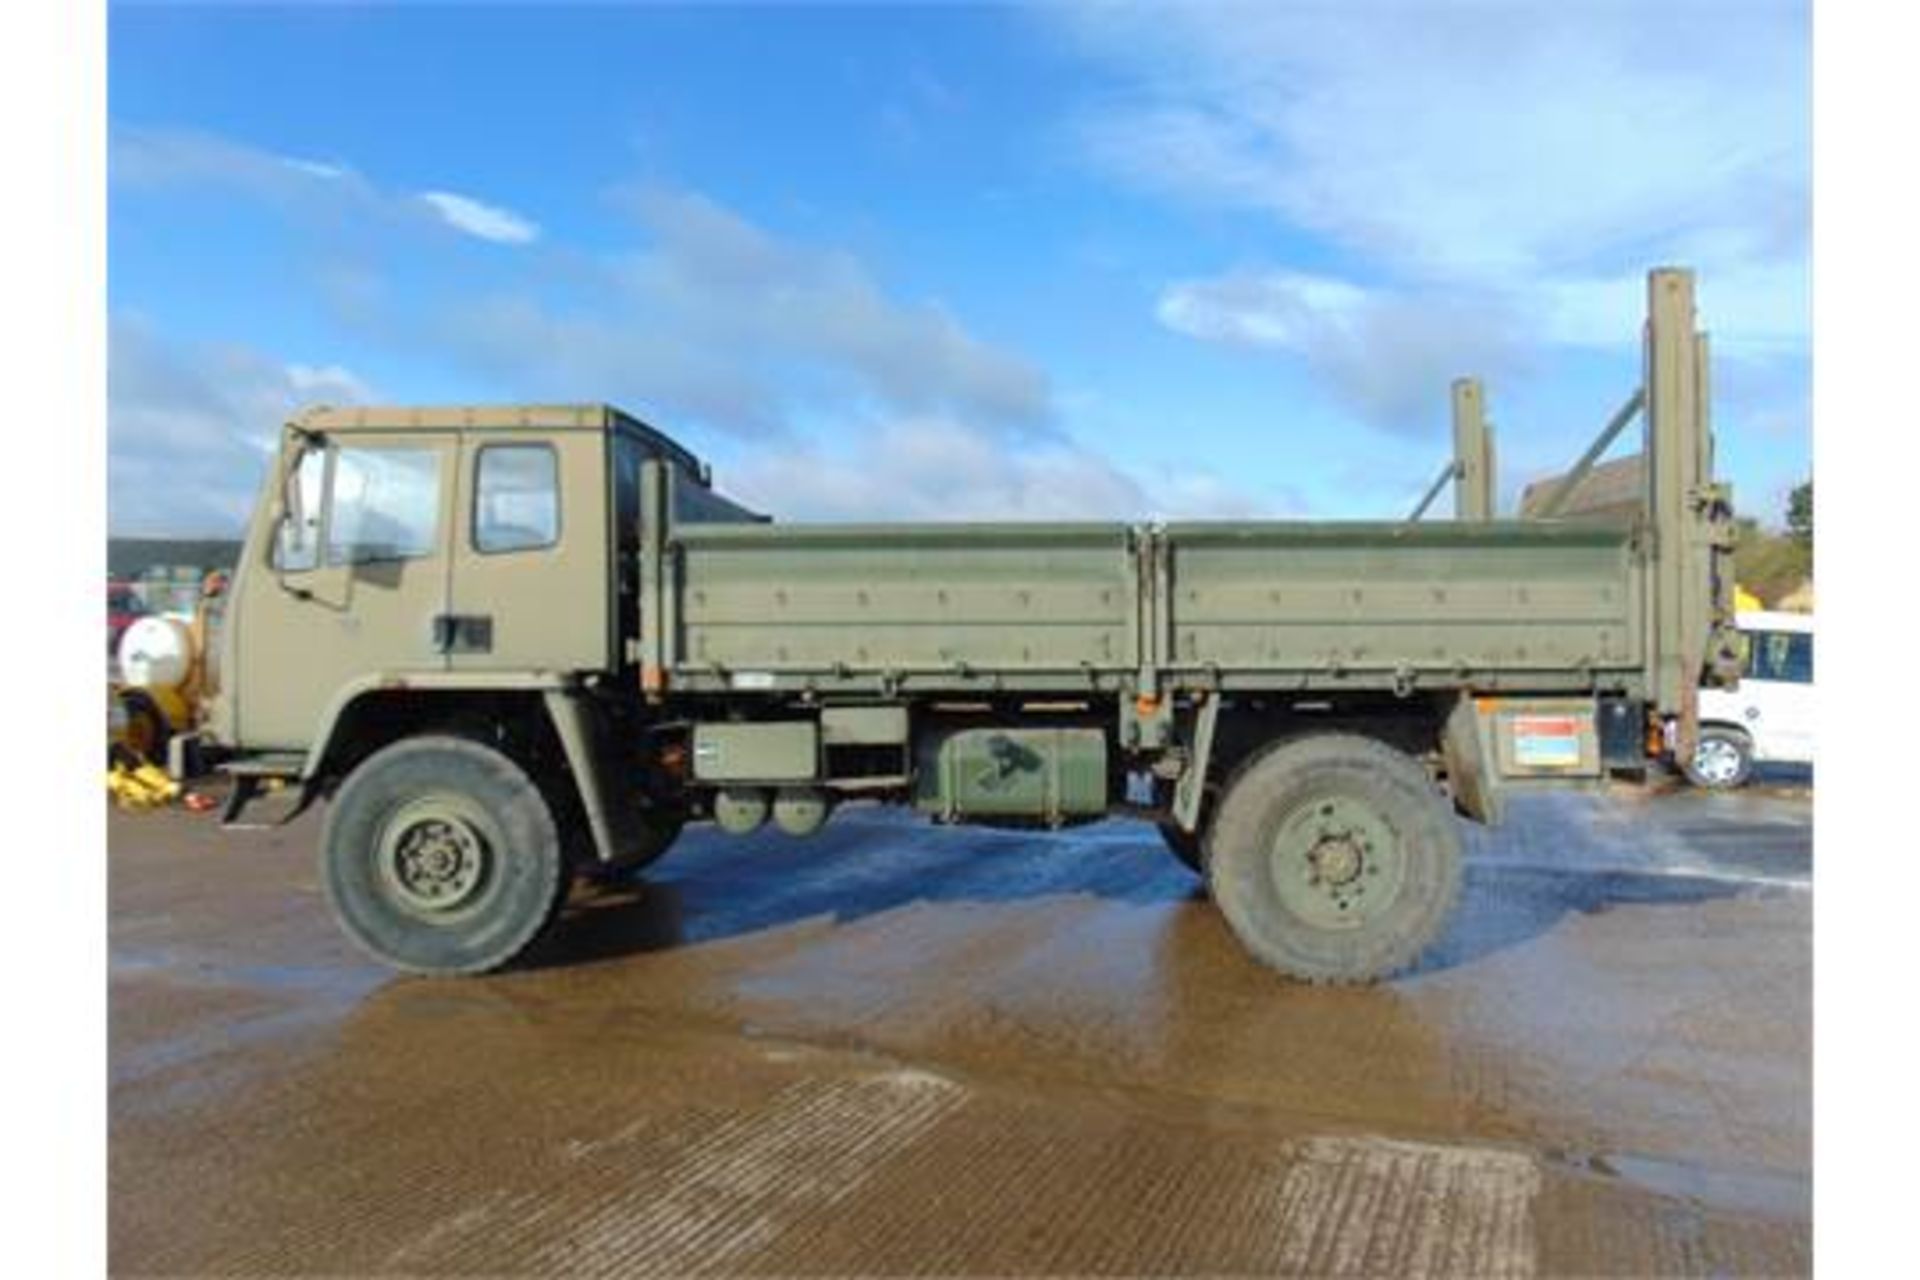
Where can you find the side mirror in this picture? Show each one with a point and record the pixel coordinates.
(294, 546)
(293, 522)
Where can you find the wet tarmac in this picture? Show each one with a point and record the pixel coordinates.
(900, 1049)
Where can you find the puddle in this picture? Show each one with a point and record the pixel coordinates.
(1742, 1191)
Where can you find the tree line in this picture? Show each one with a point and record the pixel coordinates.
(1770, 563)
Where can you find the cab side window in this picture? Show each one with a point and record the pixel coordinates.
(384, 505)
(1784, 656)
(516, 498)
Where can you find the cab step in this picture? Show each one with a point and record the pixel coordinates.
(251, 777)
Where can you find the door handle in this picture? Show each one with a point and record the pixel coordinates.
(463, 633)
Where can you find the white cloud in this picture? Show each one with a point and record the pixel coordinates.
(936, 468)
(713, 319)
(156, 158)
(190, 425)
(1753, 309)
(152, 158)
(705, 314)
(1518, 155)
(1494, 177)
(1389, 356)
(1283, 309)
(1472, 140)
(1390, 353)
(488, 222)
(705, 322)
(315, 168)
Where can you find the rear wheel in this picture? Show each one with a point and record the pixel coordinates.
(1722, 759)
(440, 855)
(654, 833)
(1334, 859)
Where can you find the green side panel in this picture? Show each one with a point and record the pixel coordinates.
(758, 599)
(999, 772)
(777, 751)
(1485, 597)
(863, 726)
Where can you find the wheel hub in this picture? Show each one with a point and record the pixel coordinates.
(433, 858)
(1336, 862)
(1337, 859)
(1716, 760)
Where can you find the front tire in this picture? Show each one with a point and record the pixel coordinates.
(1722, 759)
(1334, 859)
(441, 856)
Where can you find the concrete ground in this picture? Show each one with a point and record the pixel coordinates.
(901, 1049)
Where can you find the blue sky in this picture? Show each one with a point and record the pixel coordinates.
(943, 262)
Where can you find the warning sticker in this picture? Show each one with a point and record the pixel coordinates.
(1546, 742)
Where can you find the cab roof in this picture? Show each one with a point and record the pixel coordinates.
(497, 417)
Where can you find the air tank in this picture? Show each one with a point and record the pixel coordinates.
(156, 652)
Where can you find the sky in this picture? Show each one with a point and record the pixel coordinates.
(1042, 261)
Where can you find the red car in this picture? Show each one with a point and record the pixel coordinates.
(123, 610)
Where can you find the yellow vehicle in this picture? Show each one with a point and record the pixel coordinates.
(162, 672)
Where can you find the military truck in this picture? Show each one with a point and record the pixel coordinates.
(511, 646)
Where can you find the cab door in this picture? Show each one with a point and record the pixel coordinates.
(351, 581)
(530, 566)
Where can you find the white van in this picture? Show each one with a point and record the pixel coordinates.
(1768, 718)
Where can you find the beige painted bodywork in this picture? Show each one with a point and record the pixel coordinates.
(296, 642)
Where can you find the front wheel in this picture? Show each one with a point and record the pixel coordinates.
(1334, 859)
(441, 856)
(1722, 759)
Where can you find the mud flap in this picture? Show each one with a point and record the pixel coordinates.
(1191, 789)
(609, 821)
(1467, 746)
(247, 788)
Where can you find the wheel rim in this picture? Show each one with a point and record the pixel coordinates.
(1336, 862)
(435, 857)
(1717, 761)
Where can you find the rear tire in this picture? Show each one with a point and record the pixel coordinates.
(441, 856)
(1722, 759)
(1334, 859)
(661, 830)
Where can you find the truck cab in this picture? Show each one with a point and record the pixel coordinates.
(386, 540)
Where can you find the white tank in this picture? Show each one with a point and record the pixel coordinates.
(156, 652)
